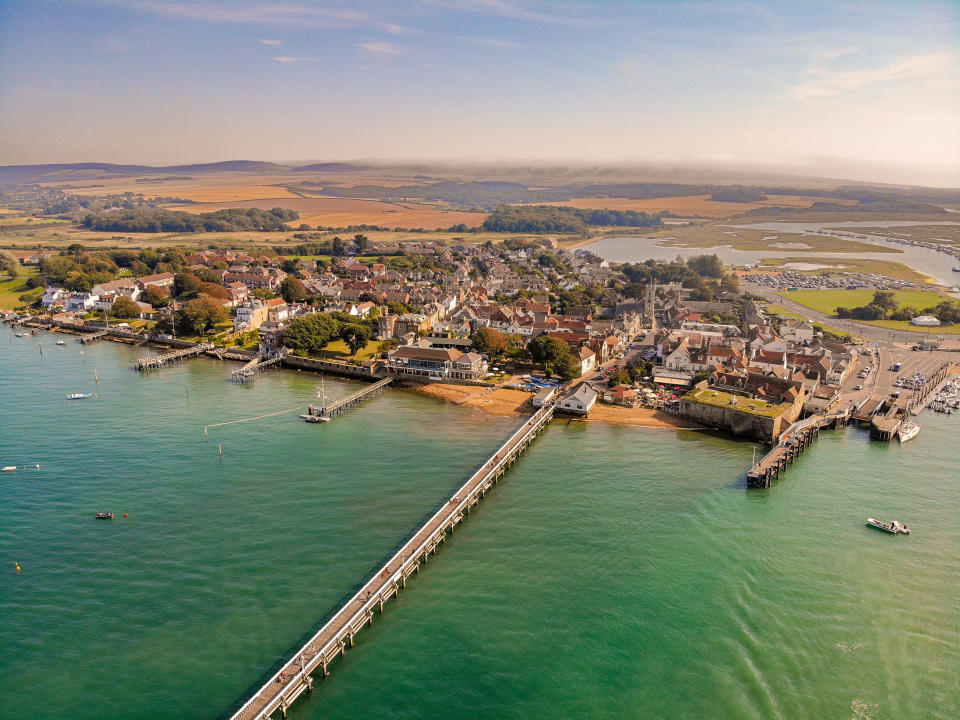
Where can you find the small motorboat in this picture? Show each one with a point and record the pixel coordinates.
(894, 527)
(60, 342)
(908, 431)
(105, 516)
(78, 396)
(9, 468)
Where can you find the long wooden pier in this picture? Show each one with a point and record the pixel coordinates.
(338, 406)
(922, 397)
(149, 362)
(254, 368)
(797, 438)
(333, 639)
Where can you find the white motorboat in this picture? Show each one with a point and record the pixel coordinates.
(908, 431)
(78, 396)
(9, 468)
(894, 527)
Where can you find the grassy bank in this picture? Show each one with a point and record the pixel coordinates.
(827, 301)
(12, 288)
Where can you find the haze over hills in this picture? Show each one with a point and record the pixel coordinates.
(548, 173)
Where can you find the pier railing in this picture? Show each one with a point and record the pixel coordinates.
(337, 634)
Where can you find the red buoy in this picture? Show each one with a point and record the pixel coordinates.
(124, 514)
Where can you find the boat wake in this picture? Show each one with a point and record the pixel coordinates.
(862, 710)
(849, 647)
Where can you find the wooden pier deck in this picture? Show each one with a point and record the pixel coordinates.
(866, 411)
(922, 397)
(338, 406)
(797, 438)
(93, 337)
(333, 639)
(254, 368)
(150, 362)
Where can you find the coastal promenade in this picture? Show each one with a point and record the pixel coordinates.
(337, 634)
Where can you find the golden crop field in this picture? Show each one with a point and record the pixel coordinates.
(695, 204)
(341, 212)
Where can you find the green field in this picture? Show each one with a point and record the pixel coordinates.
(744, 404)
(827, 301)
(905, 325)
(12, 288)
(338, 350)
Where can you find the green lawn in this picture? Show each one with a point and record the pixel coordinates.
(338, 350)
(827, 301)
(745, 404)
(12, 288)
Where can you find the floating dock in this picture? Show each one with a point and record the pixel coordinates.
(332, 640)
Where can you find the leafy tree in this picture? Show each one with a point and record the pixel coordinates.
(58, 267)
(200, 314)
(884, 299)
(355, 336)
(75, 249)
(706, 265)
(154, 296)
(311, 333)
(292, 290)
(214, 290)
(567, 366)
(262, 294)
(124, 307)
(186, 284)
(337, 247)
(8, 264)
(620, 376)
(398, 308)
(490, 341)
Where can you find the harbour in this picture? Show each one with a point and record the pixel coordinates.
(665, 575)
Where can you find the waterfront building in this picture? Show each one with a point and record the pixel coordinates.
(580, 401)
(436, 363)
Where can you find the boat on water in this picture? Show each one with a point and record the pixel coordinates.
(318, 413)
(9, 468)
(78, 396)
(105, 516)
(315, 418)
(894, 527)
(60, 342)
(908, 431)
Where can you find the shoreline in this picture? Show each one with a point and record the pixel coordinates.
(505, 402)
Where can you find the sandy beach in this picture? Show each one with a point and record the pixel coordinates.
(517, 402)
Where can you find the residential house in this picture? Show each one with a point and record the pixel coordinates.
(580, 401)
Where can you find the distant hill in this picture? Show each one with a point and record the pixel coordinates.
(329, 168)
(18, 174)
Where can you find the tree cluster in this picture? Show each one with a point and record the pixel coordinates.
(548, 218)
(884, 306)
(312, 333)
(154, 220)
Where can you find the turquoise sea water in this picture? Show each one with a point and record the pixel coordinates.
(618, 572)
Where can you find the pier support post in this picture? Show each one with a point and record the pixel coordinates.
(323, 667)
(350, 639)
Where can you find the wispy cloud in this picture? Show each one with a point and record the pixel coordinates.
(270, 42)
(504, 9)
(491, 42)
(304, 14)
(381, 48)
(934, 68)
(288, 59)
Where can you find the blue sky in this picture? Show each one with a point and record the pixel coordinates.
(784, 85)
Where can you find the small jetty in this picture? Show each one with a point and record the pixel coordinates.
(254, 368)
(94, 336)
(338, 406)
(791, 443)
(921, 398)
(153, 362)
(867, 409)
(294, 677)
